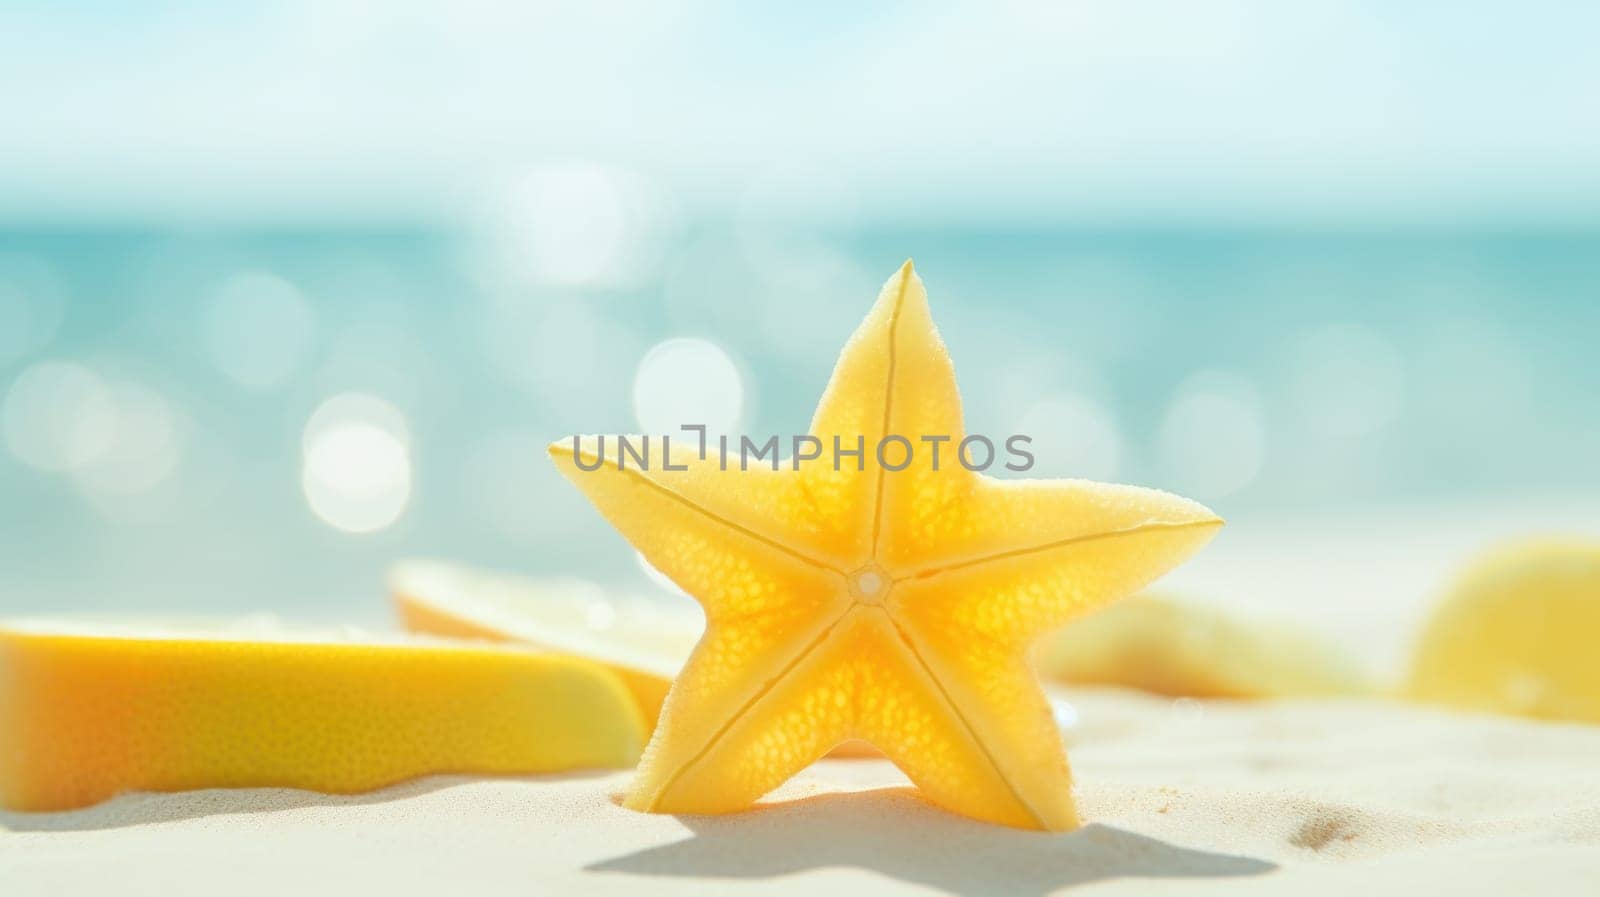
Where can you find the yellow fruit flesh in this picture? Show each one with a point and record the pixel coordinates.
(643, 646)
(644, 649)
(648, 689)
(896, 607)
(84, 717)
(1171, 648)
(1518, 635)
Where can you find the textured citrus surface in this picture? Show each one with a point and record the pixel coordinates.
(1184, 650)
(643, 643)
(1518, 634)
(84, 716)
(892, 606)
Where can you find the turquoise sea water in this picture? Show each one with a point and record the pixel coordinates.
(1285, 372)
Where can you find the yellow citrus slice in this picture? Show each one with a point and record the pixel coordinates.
(91, 710)
(643, 641)
(1184, 650)
(1517, 634)
(639, 637)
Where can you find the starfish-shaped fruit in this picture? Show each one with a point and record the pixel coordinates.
(895, 606)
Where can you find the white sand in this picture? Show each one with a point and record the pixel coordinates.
(1301, 798)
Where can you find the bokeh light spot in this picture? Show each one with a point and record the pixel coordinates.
(258, 329)
(58, 416)
(357, 468)
(1065, 715)
(1073, 436)
(686, 381)
(146, 447)
(576, 224)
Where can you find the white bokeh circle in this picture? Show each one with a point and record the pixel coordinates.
(687, 381)
(356, 473)
(258, 329)
(1072, 436)
(576, 224)
(145, 449)
(58, 416)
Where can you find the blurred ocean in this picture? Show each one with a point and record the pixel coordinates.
(161, 387)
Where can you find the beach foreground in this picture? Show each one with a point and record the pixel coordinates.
(1295, 797)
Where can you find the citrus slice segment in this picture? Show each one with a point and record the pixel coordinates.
(90, 710)
(643, 641)
(1516, 634)
(1181, 649)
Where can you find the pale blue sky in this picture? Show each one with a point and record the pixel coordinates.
(1215, 109)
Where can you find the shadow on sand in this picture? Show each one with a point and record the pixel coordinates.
(896, 834)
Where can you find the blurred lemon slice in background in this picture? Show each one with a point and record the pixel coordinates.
(644, 640)
(1180, 649)
(89, 710)
(1518, 633)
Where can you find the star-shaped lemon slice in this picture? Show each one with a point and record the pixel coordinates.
(895, 606)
